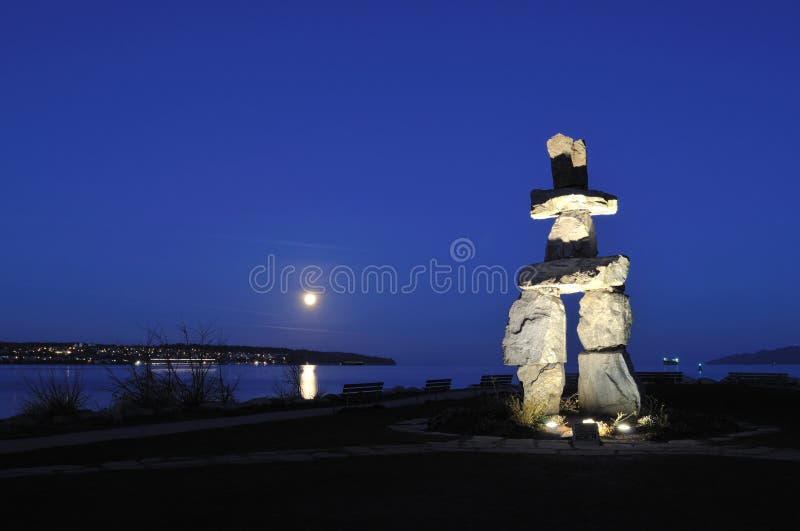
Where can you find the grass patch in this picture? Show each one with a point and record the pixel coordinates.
(51, 396)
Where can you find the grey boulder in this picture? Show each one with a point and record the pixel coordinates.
(573, 275)
(543, 385)
(567, 161)
(536, 329)
(572, 236)
(605, 383)
(605, 320)
(550, 203)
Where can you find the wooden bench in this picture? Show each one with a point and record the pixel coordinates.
(440, 385)
(659, 377)
(496, 380)
(757, 378)
(361, 390)
(571, 380)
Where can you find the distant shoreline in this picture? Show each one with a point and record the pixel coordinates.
(778, 356)
(111, 354)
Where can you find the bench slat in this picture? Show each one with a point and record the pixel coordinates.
(659, 377)
(362, 388)
(438, 385)
(490, 380)
(762, 378)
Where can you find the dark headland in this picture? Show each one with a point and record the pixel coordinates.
(777, 356)
(79, 353)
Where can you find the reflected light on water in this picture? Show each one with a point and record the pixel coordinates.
(308, 382)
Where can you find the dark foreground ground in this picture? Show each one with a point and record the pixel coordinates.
(427, 491)
(452, 491)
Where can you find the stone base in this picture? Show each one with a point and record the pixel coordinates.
(606, 384)
(543, 384)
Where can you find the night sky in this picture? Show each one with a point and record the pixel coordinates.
(151, 156)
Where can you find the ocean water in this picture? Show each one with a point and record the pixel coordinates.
(260, 381)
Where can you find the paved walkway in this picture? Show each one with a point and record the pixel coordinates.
(493, 445)
(168, 428)
(488, 444)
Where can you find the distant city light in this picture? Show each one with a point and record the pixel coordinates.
(309, 299)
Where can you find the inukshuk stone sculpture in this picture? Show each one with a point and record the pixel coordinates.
(535, 337)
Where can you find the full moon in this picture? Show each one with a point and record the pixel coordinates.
(309, 299)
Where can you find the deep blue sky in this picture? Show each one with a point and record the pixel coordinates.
(150, 156)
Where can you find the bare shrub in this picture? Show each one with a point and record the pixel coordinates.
(287, 387)
(54, 396)
(525, 413)
(608, 429)
(571, 404)
(147, 387)
(653, 414)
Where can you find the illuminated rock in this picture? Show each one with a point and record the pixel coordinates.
(535, 337)
(567, 162)
(572, 236)
(605, 383)
(605, 320)
(550, 203)
(536, 329)
(543, 385)
(573, 275)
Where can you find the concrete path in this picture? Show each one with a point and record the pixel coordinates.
(10, 446)
(485, 444)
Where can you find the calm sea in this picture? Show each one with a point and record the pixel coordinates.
(260, 381)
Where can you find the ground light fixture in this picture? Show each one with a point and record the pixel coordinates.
(551, 424)
(623, 427)
(588, 421)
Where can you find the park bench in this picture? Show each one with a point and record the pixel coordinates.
(571, 380)
(358, 391)
(496, 380)
(659, 377)
(440, 385)
(757, 378)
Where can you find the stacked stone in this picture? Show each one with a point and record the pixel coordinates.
(535, 337)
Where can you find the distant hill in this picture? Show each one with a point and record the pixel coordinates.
(777, 356)
(68, 352)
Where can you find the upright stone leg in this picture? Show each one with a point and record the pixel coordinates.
(605, 380)
(606, 384)
(536, 329)
(605, 320)
(543, 385)
(536, 340)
